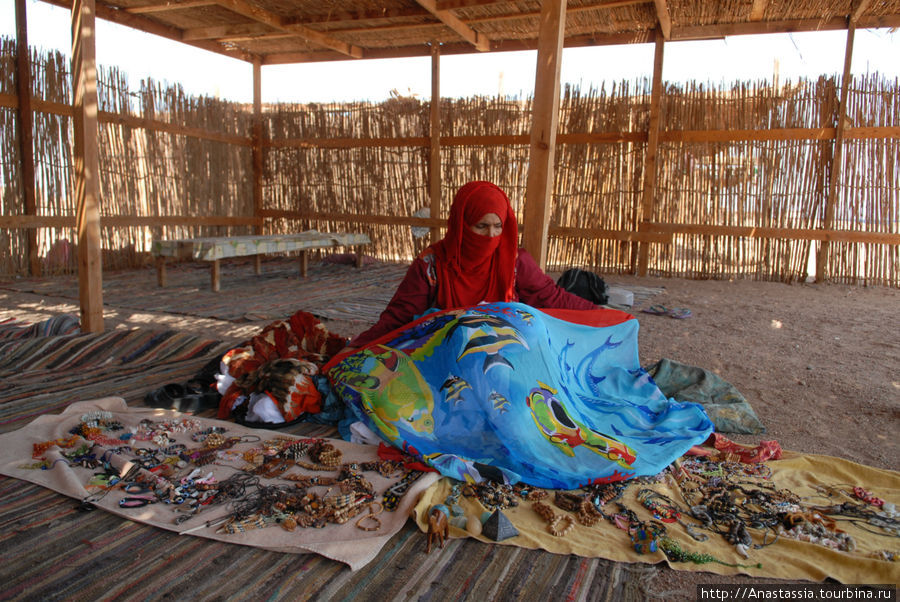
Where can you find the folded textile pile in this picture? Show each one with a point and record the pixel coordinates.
(274, 378)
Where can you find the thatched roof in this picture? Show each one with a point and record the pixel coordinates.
(295, 31)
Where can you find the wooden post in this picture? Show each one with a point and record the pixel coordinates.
(649, 192)
(257, 145)
(215, 273)
(87, 165)
(834, 176)
(827, 119)
(304, 263)
(25, 123)
(161, 279)
(434, 172)
(257, 154)
(544, 122)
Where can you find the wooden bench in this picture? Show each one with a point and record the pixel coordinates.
(216, 248)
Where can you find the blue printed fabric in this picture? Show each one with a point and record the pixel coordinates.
(509, 393)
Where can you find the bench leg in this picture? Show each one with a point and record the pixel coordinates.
(214, 274)
(258, 264)
(304, 264)
(160, 271)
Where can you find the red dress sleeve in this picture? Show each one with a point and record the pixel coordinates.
(537, 289)
(415, 294)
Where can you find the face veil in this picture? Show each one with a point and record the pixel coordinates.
(471, 267)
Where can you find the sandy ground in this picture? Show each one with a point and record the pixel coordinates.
(820, 364)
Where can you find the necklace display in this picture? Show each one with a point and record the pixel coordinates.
(168, 472)
(734, 500)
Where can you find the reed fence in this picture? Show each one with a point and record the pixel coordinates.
(742, 181)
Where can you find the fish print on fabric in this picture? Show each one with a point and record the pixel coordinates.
(506, 392)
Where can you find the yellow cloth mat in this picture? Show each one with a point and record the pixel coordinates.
(785, 559)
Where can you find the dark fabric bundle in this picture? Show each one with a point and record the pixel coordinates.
(586, 285)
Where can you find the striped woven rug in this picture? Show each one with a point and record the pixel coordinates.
(44, 374)
(53, 550)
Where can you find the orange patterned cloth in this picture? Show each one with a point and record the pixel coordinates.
(280, 362)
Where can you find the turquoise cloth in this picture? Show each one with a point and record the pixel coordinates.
(507, 392)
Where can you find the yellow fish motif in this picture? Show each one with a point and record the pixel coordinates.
(394, 392)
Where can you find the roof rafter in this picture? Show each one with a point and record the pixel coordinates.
(665, 20)
(478, 40)
(758, 10)
(168, 6)
(256, 13)
(494, 18)
(142, 23)
(703, 32)
(368, 15)
(227, 32)
(859, 7)
(453, 4)
(608, 39)
(237, 33)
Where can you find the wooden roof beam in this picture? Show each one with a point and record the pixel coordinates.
(478, 40)
(665, 20)
(758, 10)
(569, 11)
(168, 6)
(368, 15)
(261, 15)
(701, 32)
(354, 18)
(142, 23)
(235, 33)
(614, 39)
(454, 4)
(227, 33)
(490, 18)
(858, 8)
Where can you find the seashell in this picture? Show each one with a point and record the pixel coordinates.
(473, 525)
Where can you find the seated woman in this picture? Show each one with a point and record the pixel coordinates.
(482, 367)
(477, 261)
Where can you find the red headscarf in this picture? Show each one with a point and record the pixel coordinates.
(471, 267)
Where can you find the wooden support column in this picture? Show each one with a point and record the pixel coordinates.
(87, 165)
(649, 192)
(434, 171)
(257, 154)
(834, 177)
(25, 124)
(544, 122)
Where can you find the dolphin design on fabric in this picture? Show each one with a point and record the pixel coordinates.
(491, 343)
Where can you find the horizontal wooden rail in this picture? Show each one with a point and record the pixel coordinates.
(346, 142)
(626, 236)
(389, 220)
(650, 232)
(11, 101)
(125, 221)
(883, 238)
(692, 136)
